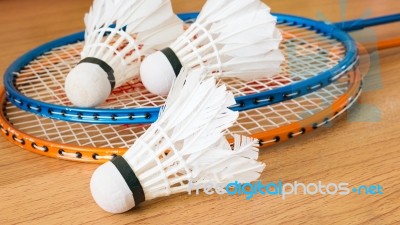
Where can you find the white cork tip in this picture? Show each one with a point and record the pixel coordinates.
(110, 190)
(87, 85)
(157, 74)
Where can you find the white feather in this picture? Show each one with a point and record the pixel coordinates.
(229, 165)
(224, 37)
(216, 10)
(121, 33)
(239, 30)
(192, 126)
(148, 20)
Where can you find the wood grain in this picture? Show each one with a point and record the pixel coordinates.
(39, 190)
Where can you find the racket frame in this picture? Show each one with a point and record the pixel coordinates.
(101, 155)
(150, 114)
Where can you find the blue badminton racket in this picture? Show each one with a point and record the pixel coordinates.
(317, 54)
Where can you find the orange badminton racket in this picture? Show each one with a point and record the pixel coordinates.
(99, 143)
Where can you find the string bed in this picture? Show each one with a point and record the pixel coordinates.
(99, 143)
(308, 53)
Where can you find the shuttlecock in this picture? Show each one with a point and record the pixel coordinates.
(191, 129)
(230, 38)
(119, 33)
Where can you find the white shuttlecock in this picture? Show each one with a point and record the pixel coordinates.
(190, 128)
(230, 38)
(119, 33)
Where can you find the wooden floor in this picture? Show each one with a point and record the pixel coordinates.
(361, 149)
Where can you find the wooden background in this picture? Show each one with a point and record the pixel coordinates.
(357, 150)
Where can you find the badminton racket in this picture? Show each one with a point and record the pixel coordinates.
(99, 143)
(317, 54)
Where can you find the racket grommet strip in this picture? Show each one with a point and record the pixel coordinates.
(292, 95)
(147, 116)
(80, 116)
(316, 87)
(4, 130)
(285, 96)
(37, 109)
(94, 156)
(40, 148)
(292, 135)
(19, 140)
(78, 155)
(19, 102)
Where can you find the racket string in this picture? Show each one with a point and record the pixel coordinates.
(123, 136)
(102, 156)
(315, 126)
(275, 118)
(308, 54)
(302, 106)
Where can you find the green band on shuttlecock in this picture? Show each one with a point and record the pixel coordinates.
(173, 60)
(103, 65)
(130, 178)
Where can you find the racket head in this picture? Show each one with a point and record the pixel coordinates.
(98, 143)
(317, 55)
